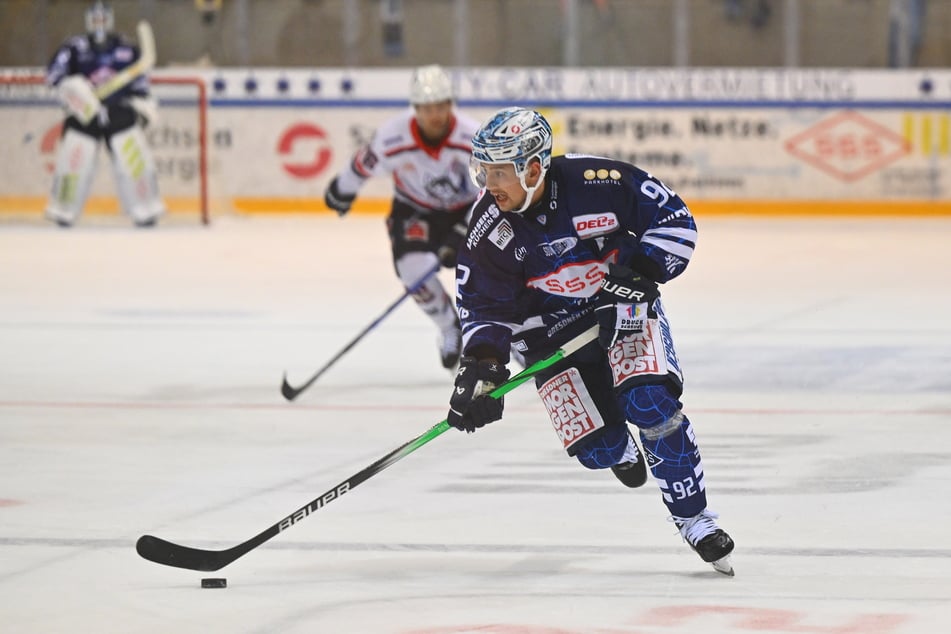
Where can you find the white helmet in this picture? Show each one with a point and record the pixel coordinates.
(99, 21)
(430, 84)
(516, 136)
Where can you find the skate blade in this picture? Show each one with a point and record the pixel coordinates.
(723, 566)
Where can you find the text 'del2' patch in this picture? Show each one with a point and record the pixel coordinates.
(592, 225)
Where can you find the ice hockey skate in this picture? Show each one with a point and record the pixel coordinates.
(632, 469)
(708, 540)
(450, 345)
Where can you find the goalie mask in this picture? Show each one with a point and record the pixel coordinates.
(99, 22)
(430, 84)
(513, 135)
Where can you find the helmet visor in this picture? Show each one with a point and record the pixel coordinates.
(99, 21)
(492, 175)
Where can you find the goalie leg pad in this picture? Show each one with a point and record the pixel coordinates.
(72, 176)
(136, 176)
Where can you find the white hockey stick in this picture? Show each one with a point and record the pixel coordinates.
(144, 64)
(290, 392)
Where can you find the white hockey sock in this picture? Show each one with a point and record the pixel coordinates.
(431, 296)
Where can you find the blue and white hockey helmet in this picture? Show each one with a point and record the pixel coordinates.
(511, 135)
(99, 21)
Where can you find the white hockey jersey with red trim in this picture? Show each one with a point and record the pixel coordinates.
(428, 178)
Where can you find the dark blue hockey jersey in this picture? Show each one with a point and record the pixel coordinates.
(78, 56)
(528, 280)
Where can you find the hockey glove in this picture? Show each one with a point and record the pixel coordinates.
(146, 108)
(471, 407)
(79, 98)
(624, 304)
(449, 252)
(337, 201)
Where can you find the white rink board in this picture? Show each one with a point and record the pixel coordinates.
(736, 153)
(277, 136)
(31, 121)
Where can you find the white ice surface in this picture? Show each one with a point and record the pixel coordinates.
(139, 394)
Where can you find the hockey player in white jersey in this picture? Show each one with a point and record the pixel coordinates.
(426, 150)
(81, 64)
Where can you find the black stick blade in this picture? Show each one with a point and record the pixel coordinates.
(164, 552)
(290, 393)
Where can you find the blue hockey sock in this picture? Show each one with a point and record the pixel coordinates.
(674, 459)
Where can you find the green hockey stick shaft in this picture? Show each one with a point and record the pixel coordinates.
(170, 554)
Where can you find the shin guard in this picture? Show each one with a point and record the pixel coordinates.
(674, 460)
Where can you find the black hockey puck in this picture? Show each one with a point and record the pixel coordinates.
(214, 582)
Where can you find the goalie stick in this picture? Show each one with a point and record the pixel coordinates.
(168, 553)
(144, 64)
(290, 392)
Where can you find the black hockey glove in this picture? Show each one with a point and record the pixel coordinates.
(449, 252)
(337, 201)
(470, 406)
(624, 303)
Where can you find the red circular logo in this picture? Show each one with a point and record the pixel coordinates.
(303, 133)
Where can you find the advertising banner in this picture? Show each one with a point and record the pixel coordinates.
(740, 140)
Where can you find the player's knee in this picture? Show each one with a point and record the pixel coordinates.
(605, 449)
(648, 406)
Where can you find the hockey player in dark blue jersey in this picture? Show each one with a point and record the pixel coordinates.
(79, 66)
(555, 246)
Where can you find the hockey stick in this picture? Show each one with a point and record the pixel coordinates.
(169, 554)
(290, 392)
(141, 66)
